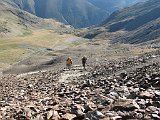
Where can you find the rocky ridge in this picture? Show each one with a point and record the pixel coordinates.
(136, 24)
(126, 88)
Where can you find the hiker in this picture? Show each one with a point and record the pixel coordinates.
(84, 60)
(69, 63)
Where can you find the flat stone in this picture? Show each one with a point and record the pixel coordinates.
(116, 118)
(125, 105)
(146, 95)
(68, 116)
(156, 116)
(157, 93)
(94, 115)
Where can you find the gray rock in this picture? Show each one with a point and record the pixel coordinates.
(125, 105)
(156, 116)
(94, 115)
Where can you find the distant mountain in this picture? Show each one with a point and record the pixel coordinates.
(112, 5)
(133, 17)
(78, 13)
(141, 20)
(136, 24)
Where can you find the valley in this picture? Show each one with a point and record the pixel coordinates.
(50, 50)
(16, 49)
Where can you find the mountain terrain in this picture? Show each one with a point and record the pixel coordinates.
(121, 80)
(29, 42)
(118, 89)
(110, 6)
(24, 35)
(15, 21)
(78, 13)
(136, 24)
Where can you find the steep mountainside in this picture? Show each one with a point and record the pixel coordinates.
(27, 5)
(133, 17)
(78, 13)
(136, 24)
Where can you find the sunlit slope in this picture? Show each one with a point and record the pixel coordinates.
(40, 42)
(14, 21)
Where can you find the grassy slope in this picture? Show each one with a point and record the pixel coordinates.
(16, 49)
(23, 34)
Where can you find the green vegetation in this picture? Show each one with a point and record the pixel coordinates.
(15, 49)
(26, 33)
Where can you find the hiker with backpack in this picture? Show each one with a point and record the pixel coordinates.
(69, 63)
(84, 60)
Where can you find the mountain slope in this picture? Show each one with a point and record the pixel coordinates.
(112, 5)
(14, 21)
(25, 36)
(135, 24)
(133, 17)
(27, 5)
(78, 13)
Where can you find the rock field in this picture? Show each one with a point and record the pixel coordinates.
(123, 89)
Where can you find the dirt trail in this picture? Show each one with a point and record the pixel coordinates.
(71, 75)
(29, 73)
(65, 76)
(1, 73)
(77, 70)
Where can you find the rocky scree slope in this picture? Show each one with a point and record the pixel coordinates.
(108, 91)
